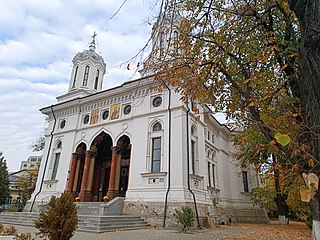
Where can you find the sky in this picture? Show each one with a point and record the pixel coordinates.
(38, 40)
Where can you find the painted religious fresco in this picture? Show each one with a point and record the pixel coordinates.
(115, 111)
(94, 116)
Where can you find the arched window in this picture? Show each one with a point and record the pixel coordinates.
(194, 150)
(245, 181)
(156, 147)
(193, 130)
(209, 153)
(59, 144)
(211, 168)
(75, 76)
(85, 76)
(157, 127)
(96, 81)
(56, 160)
(213, 156)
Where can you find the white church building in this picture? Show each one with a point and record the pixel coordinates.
(144, 144)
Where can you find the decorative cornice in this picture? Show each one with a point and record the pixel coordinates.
(89, 55)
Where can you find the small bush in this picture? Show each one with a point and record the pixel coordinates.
(11, 230)
(13, 209)
(185, 217)
(61, 219)
(24, 236)
(1, 229)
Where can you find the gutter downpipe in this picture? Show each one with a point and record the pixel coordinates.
(47, 158)
(169, 158)
(188, 167)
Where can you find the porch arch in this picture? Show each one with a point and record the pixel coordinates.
(120, 164)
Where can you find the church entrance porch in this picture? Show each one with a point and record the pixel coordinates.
(119, 171)
(101, 171)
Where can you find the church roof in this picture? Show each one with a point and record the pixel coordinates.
(86, 54)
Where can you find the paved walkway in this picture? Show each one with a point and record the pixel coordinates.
(148, 234)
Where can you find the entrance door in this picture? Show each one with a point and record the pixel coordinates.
(123, 175)
(102, 145)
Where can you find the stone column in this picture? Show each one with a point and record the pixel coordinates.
(117, 176)
(72, 172)
(76, 176)
(83, 194)
(90, 175)
(111, 190)
(96, 182)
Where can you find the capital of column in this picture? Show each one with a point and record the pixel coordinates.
(76, 155)
(115, 149)
(90, 154)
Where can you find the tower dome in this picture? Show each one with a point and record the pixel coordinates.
(165, 33)
(87, 73)
(88, 70)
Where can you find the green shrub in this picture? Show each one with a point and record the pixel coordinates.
(13, 209)
(185, 217)
(61, 219)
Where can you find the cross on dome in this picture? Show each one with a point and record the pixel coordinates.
(92, 45)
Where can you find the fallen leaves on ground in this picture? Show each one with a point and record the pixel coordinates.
(272, 231)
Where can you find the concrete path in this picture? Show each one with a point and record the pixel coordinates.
(148, 234)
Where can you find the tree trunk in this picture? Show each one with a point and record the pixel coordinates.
(308, 13)
(281, 200)
(283, 209)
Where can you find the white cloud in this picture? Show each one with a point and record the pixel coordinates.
(37, 44)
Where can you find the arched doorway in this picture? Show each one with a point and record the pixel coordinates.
(100, 185)
(119, 172)
(102, 170)
(76, 170)
(124, 162)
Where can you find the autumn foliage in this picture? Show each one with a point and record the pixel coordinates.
(61, 220)
(242, 58)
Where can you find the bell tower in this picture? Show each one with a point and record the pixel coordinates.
(87, 73)
(165, 38)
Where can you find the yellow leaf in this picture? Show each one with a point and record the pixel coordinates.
(313, 181)
(283, 67)
(311, 163)
(285, 5)
(252, 104)
(305, 178)
(282, 139)
(305, 194)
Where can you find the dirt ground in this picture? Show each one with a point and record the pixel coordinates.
(293, 231)
(272, 231)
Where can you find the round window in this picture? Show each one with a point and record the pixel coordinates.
(62, 124)
(157, 101)
(86, 119)
(105, 114)
(127, 109)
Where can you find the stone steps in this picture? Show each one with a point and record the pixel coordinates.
(110, 223)
(87, 223)
(114, 207)
(19, 218)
